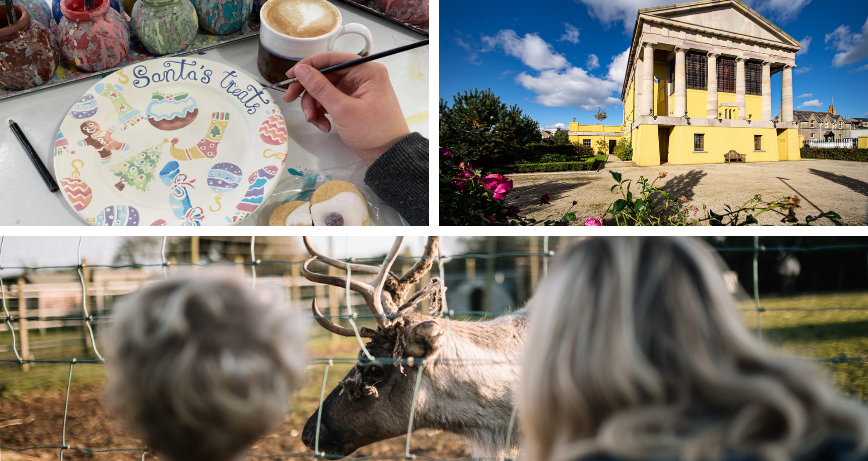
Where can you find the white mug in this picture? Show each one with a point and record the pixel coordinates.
(278, 52)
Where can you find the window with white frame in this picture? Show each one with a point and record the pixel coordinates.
(827, 124)
(812, 123)
(586, 142)
(840, 125)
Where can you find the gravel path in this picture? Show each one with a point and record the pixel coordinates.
(823, 185)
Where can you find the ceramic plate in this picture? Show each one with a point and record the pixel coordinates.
(175, 141)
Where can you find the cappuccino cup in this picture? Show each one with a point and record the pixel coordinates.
(291, 30)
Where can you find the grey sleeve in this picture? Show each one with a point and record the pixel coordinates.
(400, 178)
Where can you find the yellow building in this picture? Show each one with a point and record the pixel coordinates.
(590, 135)
(698, 84)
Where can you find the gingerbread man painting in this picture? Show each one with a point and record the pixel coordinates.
(101, 141)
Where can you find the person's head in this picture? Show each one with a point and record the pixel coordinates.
(636, 348)
(201, 367)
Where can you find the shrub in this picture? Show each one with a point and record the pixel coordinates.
(560, 137)
(624, 150)
(853, 155)
(479, 128)
(470, 197)
(584, 165)
(534, 153)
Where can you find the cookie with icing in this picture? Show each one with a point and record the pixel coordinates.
(293, 213)
(338, 203)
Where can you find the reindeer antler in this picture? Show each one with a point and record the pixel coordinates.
(385, 287)
(372, 293)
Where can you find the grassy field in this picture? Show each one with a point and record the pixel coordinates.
(816, 327)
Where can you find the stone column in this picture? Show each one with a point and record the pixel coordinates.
(648, 80)
(639, 82)
(787, 96)
(711, 105)
(767, 92)
(680, 83)
(739, 87)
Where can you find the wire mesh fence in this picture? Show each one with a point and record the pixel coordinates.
(67, 347)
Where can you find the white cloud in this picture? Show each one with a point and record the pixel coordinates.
(811, 103)
(571, 87)
(555, 127)
(472, 56)
(608, 12)
(858, 69)
(806, 95)
(533, 51)
(593, 62)
(571, 35)
(618, 67)
(505, 74)
(806, 43)
(803, 70)
(865, 114)
(780, 11)
(851, 47)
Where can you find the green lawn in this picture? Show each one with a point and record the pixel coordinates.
(820, 327)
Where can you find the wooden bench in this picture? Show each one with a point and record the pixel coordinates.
(733, 156)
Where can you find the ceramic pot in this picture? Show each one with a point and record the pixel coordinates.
(92, 40)
(28, 52)
(38, 10)
(223, 17)
(165, 26)
(58, 15)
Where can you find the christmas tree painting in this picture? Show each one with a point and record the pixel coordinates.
(138, 170)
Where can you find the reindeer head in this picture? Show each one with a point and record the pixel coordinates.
(373, 401)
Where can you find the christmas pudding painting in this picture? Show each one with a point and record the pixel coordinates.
(209, 130)
(171, 111)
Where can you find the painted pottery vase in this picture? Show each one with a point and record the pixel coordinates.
(27, 51)
(92, 40)
(223, 17)
(39, 11)
(165, 26)
(58, 15)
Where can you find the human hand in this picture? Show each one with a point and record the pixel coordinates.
(360, 100)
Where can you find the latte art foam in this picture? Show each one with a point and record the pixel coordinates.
(301, 18)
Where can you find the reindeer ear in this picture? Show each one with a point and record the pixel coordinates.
(423, 339)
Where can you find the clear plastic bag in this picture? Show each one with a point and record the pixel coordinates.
(299, 185)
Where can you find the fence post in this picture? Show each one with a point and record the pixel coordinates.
(194, 252)
(239, 263)
(520, 290)
(295, 270)
(470, 267)
(85, 276)
(534, 262)
(488, 295)
(22, 324)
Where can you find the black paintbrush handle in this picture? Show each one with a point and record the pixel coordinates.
(372, 57)
(10, 13)
(34, 158)
(89, 4)
(356, 62)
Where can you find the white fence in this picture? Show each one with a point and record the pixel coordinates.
(848, 143)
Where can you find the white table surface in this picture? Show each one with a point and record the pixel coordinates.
(26, 201)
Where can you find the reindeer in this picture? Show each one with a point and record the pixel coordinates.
(472, 397)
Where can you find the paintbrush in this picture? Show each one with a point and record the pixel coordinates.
(89, 4)
(355, 62)
(10, 13)
(34, 157)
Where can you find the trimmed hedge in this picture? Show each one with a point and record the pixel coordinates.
(569, 150)
(853, 155)
(589, 164)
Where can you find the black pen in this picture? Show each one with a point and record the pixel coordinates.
(37, 162)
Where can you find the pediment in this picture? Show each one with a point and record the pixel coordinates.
(730, 16)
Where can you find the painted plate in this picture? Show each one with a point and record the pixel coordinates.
(175, 141)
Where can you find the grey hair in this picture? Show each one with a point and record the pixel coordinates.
(636, 349)
(201, 367)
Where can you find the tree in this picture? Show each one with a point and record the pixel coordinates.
(602, 146)
(560, 137)
(138, 170)
(600, 116)
(477, 127)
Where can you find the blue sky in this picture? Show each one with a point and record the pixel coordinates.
(559, 60)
